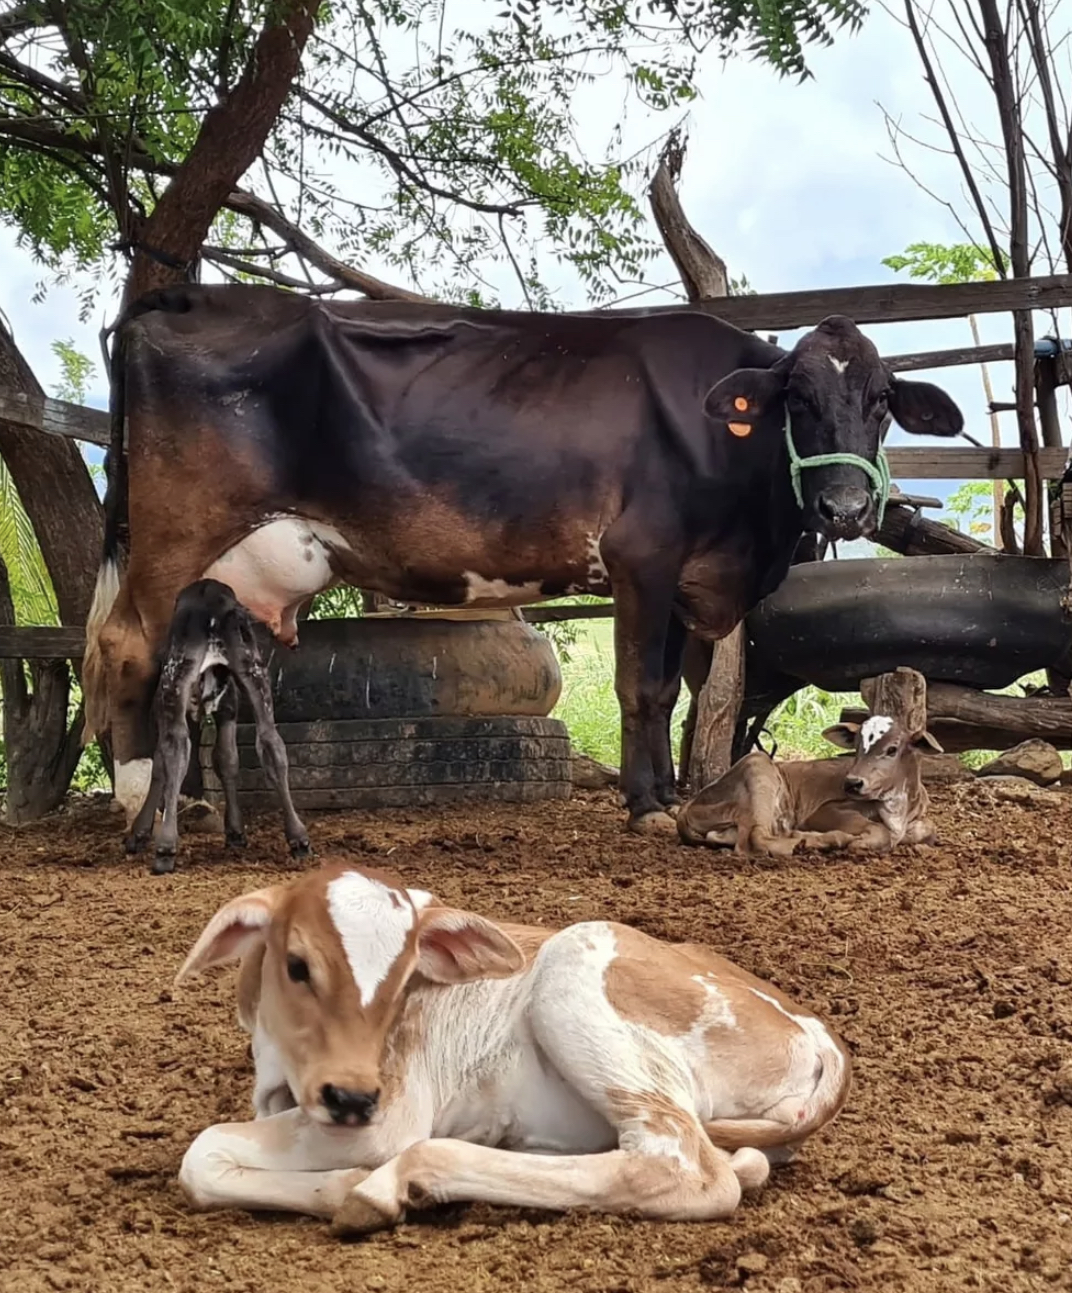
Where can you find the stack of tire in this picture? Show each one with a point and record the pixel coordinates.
(417, 710)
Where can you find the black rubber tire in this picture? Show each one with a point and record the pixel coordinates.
(980, 620)
(396, 763)
(368, 668)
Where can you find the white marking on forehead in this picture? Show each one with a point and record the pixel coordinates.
(873, 730)
(373, 922)
(838, 365)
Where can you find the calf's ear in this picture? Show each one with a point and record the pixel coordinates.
(843, 735)
(924, 409)
(924, 741)
(237, 928)
(744, 396)
(457, 947)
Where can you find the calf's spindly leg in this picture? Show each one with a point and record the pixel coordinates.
(225, 761)
(272, 752)
(173, 754)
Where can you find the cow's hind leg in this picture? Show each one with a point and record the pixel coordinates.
(225, 761)
(273, 753)
(142, 830)
(662, 755)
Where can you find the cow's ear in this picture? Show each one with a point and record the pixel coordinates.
(456, 947)
(236, 929)
(924, 741)
(924, 409)
(843, 735)
(743, 397)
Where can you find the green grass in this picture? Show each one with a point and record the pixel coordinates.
(589, 707)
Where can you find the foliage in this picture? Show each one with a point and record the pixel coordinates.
(75, 372)
(962, 262)
(426, 135)
(31, 586)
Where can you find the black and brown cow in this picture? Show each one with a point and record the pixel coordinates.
(454, 457)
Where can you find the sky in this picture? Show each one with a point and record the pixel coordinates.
(790, 182)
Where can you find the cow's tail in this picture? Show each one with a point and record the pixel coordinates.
(109, 573)
(825, 1102)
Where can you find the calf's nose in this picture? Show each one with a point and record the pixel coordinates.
(348, 1108)
(853, 785)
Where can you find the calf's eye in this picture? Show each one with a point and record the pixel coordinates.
(890, 752)
(297, 969)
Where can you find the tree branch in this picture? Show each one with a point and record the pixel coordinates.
(263, 213)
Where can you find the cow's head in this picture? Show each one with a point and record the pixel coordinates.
(340, 945)
(834, 396)
(885, 755)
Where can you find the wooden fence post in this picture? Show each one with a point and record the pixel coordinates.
(703, 274)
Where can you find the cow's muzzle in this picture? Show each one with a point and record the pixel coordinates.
(845, 512)
(348, 1108)
(854, 786)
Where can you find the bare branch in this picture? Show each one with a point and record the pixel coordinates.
(217, 256)
(954, 138)
(263, 213)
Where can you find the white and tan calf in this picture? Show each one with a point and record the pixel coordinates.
(409, 1053)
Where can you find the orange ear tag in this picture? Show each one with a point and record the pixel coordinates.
(740, 404)
(740, 428)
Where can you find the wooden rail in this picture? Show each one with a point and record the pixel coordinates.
(56, 417)
(885, 302)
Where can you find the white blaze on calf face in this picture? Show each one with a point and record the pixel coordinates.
(873, 730)
(373, 922)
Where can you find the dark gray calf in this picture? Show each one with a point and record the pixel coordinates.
(210, 653)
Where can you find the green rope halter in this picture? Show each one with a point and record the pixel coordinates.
(878, 472)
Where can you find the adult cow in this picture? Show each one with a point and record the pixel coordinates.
(466, 457)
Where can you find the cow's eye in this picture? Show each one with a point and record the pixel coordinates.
(891, 750)
(297, 969)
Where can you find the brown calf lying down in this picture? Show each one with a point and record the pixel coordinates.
(408, 1053)
(873, 801)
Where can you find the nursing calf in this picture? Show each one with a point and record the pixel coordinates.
(408, 1054)
(873, 801)
(210, 652)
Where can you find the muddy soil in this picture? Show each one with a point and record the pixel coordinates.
(948, 971)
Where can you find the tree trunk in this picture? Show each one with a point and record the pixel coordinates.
(41, 752)
(230, 140)
(57, 492)
(707, 747)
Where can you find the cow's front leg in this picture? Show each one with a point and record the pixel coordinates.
(662, 756)
(281, 1163)
(620, 1181)
(643, 601)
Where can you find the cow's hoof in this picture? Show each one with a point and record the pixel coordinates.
(674, 808)
(360, 1216)
(658, 823)
(236, 839)
(135, 843)
(163, 864)
(300, 848)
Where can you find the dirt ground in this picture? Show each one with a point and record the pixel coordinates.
(948, 971)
